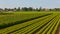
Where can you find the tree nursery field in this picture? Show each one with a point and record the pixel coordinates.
(29, 22)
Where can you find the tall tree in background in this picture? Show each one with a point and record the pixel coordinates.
(24, 9)
(40, 9)
(56, 9)
(30, 8)
(18, 9)
(36, 9)
(5, 9)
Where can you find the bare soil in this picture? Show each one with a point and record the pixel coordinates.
(58, 31)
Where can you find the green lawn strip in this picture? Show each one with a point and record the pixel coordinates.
(56, 27)
(48, 25)
(27, 29)
(34, 31)
(18, 26)
(30, 25)
(16, 19)
(40, 25)
(52, 27)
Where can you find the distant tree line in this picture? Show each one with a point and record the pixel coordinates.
(29, 9)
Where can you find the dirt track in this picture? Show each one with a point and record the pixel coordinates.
(58, 31)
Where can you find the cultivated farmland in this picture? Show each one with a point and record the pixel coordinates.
(29, 22)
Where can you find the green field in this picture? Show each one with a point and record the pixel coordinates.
(29, 22)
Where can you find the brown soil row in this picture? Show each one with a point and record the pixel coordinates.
(58, 31)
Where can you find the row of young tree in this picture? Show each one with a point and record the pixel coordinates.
(29, 9)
